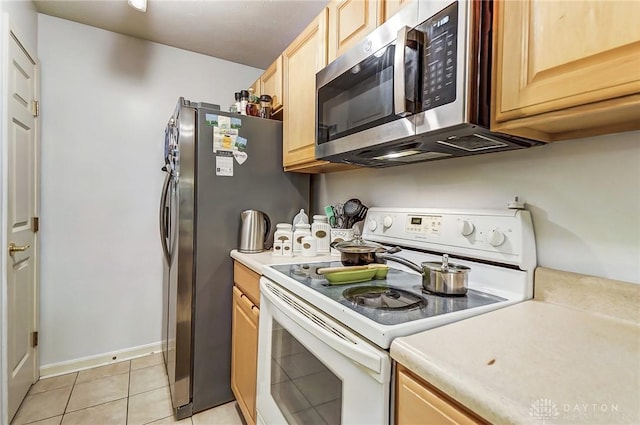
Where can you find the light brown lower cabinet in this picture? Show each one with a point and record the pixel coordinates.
(417, 402)
(244, 346)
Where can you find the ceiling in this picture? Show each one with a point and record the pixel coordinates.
(250, 32)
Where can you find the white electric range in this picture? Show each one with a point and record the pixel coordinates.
(323, 349)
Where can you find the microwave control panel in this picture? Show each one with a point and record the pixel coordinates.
(440, 49)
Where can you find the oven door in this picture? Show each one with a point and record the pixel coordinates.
(312, 369)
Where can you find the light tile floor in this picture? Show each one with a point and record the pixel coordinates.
(132, 392)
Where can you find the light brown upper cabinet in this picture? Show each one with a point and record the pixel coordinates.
(300, 62)
(271, 82)
(390, 7)
(349, 22)
(566, 69)
(256, 87)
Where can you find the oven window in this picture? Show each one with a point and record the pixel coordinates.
(304, 389)
(359, 99)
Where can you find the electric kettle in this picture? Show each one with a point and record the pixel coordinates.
(254, 231)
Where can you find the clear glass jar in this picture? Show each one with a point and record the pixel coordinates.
(265, 106)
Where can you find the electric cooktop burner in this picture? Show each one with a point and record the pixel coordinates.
(383, 298)
(399, 298)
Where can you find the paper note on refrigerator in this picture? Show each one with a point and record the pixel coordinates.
(224, 163)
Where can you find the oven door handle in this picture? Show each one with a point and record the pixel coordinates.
(321, 328)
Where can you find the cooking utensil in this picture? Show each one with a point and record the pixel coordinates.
(338, 211)
(361, 214)
(326, 270)
(358, 252)
(354, 276)
(440, 278)
(351, 210)
(328, 211)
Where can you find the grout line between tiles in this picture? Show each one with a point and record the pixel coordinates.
(42, 392)
(90, 407)
(128, 396)
(100, 377)
(126, 415)
(156, 420)
(66, 406)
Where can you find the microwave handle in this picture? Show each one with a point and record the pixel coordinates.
(399, 89)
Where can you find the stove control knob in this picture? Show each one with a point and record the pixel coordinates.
(496, 237)
(466, 227)
(372, 225)
(387, 222)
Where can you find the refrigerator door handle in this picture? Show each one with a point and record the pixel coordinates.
(163, 218)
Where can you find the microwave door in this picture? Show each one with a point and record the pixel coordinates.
(356, 109)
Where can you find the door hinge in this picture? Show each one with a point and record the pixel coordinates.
(35, 224)
(34, 339)
(36, 108)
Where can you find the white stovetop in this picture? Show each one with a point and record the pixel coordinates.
(380, 334)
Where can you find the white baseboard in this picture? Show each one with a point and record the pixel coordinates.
(75, 365)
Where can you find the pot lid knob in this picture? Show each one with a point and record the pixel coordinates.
(445, 262)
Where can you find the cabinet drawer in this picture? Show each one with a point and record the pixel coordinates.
(418, 402)
(247, 281)
(244, 354)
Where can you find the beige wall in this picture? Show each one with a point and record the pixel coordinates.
(584, 196)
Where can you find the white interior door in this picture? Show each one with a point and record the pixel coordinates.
(21, 208)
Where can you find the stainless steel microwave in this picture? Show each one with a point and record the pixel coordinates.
(417, 88)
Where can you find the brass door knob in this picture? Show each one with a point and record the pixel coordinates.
(15, 248)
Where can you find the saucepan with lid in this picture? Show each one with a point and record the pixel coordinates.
(359, 252)
(440, 278)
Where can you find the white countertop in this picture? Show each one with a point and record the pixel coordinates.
(534, 361)
(256, 261)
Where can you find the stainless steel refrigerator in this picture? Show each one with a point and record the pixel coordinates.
(217, 165)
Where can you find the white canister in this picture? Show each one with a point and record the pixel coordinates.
(301, 231)
(283, 233)
(277, 249)
(287, 248)
(309, 248)
(321, 230)
(339, 235)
